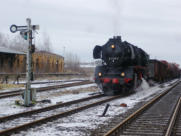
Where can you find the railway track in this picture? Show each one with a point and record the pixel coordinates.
(174, 127)
(153, 118)
(23, 121)
(4, 77)
(41, 89)
(48, 82)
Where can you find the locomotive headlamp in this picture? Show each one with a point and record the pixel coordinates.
(100, 74)
(122, 74)
(113, 46)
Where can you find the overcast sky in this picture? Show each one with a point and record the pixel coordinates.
(78, 25)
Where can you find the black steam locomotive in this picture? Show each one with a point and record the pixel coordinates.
(123, 66)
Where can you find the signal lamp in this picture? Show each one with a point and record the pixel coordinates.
(113, 46)
(100, 74)
(122, 74)
(24, 35)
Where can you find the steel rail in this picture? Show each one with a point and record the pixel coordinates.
(134, 115)
(12, 130)
(173, 118)
(41, 89)
(46, 82)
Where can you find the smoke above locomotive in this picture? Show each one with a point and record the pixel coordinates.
(120, 53)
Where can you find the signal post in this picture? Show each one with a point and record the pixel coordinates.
(28, 64)
(26, 33)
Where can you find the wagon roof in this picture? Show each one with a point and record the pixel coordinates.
(10, 51)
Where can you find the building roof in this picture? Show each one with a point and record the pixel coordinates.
(10, 51)
(50, 53)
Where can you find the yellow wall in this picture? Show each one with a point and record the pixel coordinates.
(47, 63)
(42, 63)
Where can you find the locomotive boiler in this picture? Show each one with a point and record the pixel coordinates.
(123, 66)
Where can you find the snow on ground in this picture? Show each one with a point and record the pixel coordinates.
(79, 124)
(88, 66)
(60, 95)
(38, 86)
(72, 95)
(11, 89)
(51, 84)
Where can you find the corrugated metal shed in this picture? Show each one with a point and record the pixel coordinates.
(10, 51)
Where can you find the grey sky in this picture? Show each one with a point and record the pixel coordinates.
(79, 25)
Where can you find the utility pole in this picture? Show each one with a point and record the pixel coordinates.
(26, 33)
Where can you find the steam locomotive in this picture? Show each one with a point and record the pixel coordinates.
(124, 65)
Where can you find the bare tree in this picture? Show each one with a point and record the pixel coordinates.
(3, 40)
(72, 62)
(46, 44)
(18, 43)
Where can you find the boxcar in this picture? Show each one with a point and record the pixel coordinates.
(157, 71)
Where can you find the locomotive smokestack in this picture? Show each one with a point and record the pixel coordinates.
(119, 37)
